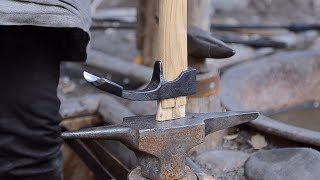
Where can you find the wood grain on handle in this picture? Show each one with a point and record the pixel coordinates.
(172, 52)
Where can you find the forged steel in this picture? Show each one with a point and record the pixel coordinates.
(157, 89)
(162, 146)
(201, 44)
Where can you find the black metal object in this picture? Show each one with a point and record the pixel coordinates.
(291, 27)
(99, 159)
(112, 24)
(157, 89)
(256, 43)
(202, 44)
(162, 146)
(108, 159)
(89, 158)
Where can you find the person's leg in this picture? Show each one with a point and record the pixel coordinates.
(29, 107)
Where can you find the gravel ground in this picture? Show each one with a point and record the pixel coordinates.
(240, 143)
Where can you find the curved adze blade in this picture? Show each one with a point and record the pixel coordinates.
(157, 89)
(104, 84)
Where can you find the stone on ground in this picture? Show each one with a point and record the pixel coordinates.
(284, 164)
(222, 161)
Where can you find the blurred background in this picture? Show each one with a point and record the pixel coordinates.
(276, 70)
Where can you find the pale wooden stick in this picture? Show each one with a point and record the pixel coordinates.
(172, 52)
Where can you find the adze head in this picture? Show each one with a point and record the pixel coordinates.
(157, 89)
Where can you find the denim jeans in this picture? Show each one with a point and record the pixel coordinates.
(30, 142)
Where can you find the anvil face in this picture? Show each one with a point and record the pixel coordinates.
(149, 124)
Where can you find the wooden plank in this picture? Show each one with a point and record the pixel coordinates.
(172, 52)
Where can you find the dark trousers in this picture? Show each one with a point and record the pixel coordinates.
(30, 143)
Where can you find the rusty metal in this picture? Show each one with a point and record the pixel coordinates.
(161, 147)
(157, 89)
(274, 83)
(207, 86)
(199, 64)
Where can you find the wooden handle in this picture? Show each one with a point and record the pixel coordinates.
(172, 51)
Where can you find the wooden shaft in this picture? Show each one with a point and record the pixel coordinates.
(172, 51)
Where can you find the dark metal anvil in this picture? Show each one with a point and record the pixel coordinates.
(162, 147)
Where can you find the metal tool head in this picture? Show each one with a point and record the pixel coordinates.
(202, 44)
(162, 146)
(157, 89)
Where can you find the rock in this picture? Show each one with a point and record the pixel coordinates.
(66, 85)
(222, 161)
(243, 53)
(284, 164)
(301, 40)
(258, 142)
(262, 52)
(316, 44)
